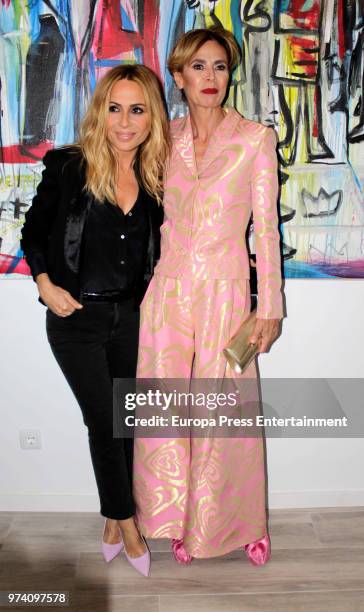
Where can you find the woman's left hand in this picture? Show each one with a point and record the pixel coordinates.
(264, 334)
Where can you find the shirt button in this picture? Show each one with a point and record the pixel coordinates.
(122, 262)
(122, 236)
(130, 214)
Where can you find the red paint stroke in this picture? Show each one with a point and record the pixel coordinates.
(14, 264)
(305, 18)
(20, 154)
(305, 51)
(315, 132)
(111, 40)
(150, 35)
(5, 2)
(340, 29)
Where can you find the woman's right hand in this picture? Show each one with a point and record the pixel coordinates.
(58, 300)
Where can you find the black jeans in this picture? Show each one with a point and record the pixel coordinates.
(92, 346)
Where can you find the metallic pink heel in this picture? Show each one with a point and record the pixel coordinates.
(110, 551)
(180, 553)
(142, 563)
(258, 552)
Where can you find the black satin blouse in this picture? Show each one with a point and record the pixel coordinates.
(114, 247)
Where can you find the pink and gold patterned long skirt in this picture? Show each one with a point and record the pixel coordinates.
(208, 491)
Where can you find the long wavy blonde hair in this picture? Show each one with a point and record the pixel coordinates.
(101, 161)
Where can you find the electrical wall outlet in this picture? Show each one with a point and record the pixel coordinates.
(30, 439)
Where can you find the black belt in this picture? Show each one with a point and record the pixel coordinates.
(109, 296)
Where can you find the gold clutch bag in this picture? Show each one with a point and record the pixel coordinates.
(239, 352)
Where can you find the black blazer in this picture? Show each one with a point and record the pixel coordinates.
(54, 224)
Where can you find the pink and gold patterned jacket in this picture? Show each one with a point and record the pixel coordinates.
(206, 214)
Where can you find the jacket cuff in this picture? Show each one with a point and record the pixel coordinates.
(270, 304)
(36, 263)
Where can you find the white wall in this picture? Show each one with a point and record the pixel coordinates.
(322, 337)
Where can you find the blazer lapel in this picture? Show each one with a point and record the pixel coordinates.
(75, 224)
(220, 138)
(155, 219)
(183, 140)
(78, 207)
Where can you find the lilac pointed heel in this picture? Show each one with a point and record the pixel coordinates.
(180, 553)
(110, 551)
(142, 563)
(258, 552)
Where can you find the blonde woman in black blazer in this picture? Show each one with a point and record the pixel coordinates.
(91, 239)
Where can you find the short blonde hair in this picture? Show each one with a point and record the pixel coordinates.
(190, 42)
(101, 162)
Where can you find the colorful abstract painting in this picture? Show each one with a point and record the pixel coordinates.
(302, 72)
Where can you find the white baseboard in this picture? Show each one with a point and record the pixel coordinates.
(90, 503)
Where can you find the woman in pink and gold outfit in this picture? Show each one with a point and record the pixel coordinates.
(208, 494)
